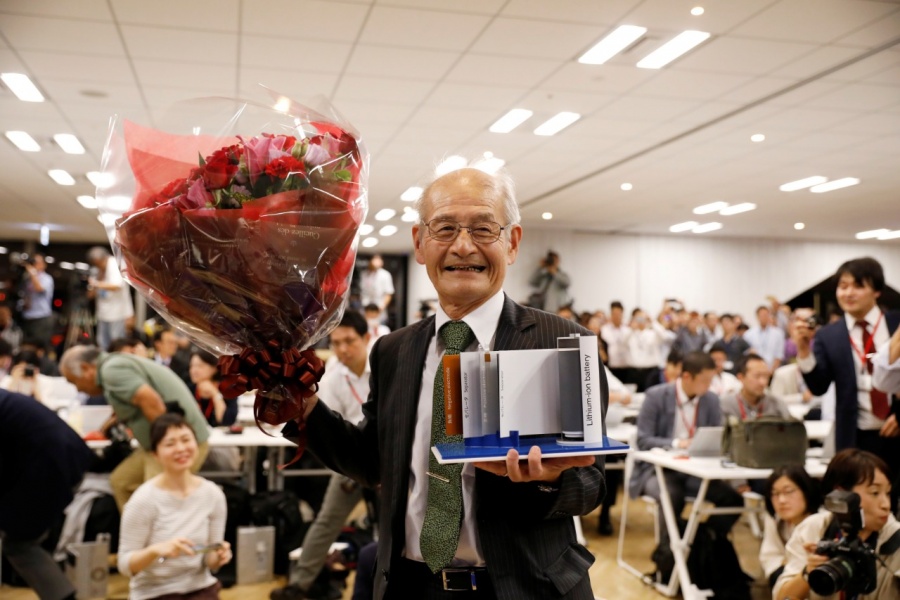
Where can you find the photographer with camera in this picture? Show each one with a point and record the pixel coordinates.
(37, 309)
(851, 551)
(551, 284)
(24, 376)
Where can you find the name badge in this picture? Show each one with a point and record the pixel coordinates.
(863, 382)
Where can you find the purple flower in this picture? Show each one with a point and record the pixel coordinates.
(316, 155)
(197, 196)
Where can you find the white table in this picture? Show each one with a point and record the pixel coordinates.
(251, 438)
(707, 470)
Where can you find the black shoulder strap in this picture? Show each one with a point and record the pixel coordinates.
(833, 530)
(891, 545)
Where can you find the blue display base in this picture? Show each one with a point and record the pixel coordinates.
(465, 452)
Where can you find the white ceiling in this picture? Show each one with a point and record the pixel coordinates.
(424, 79)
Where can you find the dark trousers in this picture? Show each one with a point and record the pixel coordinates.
(681, 486)
(38, 568)
(888, 449)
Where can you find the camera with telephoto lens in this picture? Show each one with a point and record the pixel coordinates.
(29, 371)
(851, 567)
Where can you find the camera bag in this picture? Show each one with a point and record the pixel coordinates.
(765, 442)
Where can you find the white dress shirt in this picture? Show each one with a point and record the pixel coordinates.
(616, 344)
(483, 322)
(686, 414)
(886, 377)
(344, 391)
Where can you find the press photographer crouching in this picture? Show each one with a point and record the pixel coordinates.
(849, 551)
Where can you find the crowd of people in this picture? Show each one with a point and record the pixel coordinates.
(494, 529)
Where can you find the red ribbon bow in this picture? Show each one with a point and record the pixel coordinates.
(283, 380)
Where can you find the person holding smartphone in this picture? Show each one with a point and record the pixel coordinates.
(25, 378)
(173, 526)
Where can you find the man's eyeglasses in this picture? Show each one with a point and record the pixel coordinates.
(482, 232)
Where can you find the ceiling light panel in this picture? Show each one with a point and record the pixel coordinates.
(793, 186)
(556, 123)
(680, 227)
(680, 44)
(612, 44)
(707, 227)
(69, 143)
(411, 194)
(61, 177)
(511, 120)
(871, 234)
(710, 208)
(23, 141)
(834, 185)
(20, 85)
(737, 208)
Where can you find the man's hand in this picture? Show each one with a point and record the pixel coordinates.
(890, 427)
(802, 336)
(813, 560)
(536, 468)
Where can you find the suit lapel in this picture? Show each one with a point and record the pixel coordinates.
(514, 322)
(844, 357)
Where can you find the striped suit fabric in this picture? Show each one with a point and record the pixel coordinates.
(527, 535)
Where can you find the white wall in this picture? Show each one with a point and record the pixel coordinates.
(720, 274)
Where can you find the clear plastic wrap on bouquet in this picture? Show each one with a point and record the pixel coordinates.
(244, 239)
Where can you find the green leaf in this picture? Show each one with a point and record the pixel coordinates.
(342, 175)
(202, 161)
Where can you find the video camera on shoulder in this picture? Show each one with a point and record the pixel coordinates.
(851, 567)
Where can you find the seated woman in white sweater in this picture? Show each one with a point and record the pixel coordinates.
(173, 526)
(791, 496)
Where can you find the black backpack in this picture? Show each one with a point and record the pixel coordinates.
(714, 565)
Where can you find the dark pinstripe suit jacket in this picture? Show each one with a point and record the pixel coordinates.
(527, 535)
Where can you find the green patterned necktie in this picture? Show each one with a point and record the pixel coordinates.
(443, 512)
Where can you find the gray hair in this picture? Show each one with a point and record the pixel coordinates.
(97, 253)
(498, 184)
(74, 357)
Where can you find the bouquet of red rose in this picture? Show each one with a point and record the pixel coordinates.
(245, 243)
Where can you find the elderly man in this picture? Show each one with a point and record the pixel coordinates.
(491, 530)
(139, 390)
(112, 296)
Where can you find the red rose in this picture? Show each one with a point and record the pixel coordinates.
(284, 166)
(219, 170)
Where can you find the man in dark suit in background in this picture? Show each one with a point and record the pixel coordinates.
(669, 417)
(516, 534)
(842, 352)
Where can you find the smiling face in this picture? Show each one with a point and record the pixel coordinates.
(177, 449)
(855, 298)
(464, 273)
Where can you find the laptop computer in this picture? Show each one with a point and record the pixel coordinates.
(707, 442)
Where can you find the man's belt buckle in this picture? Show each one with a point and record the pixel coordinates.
(459, 580)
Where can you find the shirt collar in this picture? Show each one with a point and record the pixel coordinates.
(681, 395)
(482, 321)
(871, 318)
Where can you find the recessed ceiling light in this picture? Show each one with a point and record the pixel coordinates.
(411, 194)
(626, 187)
(3, 250)
(387, 230)
(710, 208)
(707, 227)
(88, 202)
(489, 164)
(612, 44)
(556, 123)
(757, 137)
(69, 143)
(82, 266)
(101, 179)
(891, 235)
(45, 235)
(793, 186)
(49, 260)
(737, 208)
(20, 85)
(686, 226)
(451, 163)
(196, 130)
(385, 214)
(23, 141)
(510, 120)
(409, 216)
(799, 226)
(67, 265)
(118, 204)
(366, 229)
(547, 216)
(369, 242)
(61, 177)
(678, 45)
(834, 185)
(697, 11)
(873, 233)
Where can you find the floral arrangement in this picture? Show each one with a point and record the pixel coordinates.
(250, 249)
